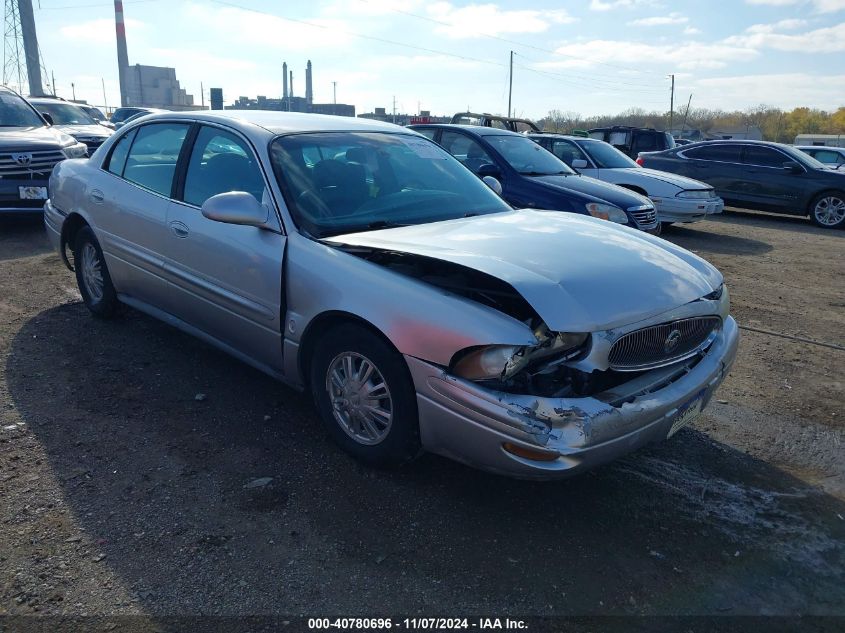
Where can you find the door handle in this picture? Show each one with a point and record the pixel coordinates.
(180, 229)
(97, 196)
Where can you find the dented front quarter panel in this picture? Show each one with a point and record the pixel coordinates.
(419, 319)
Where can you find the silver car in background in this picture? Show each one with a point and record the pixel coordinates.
(677, 199)
(362, 262)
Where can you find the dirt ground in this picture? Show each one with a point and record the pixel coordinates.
(124, 494)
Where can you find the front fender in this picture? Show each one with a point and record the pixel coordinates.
(420, 320)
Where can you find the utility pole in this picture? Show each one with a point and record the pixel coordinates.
(73, 90)
(510, 85)
(684, 124)
(53, 79)
(202, 95)
(105, 101)
(394, 109)
(334, 91)
(672, 104)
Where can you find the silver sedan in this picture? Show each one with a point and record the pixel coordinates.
(363, 263)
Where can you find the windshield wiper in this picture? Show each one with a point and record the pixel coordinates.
(544, 173)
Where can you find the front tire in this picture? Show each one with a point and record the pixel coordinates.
(827, 210)
(92, 275)
(365, 396)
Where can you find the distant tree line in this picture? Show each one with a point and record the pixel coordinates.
(775, 124)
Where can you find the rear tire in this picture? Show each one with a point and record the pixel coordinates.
(92, 275)
(365, 396)
(827, 210)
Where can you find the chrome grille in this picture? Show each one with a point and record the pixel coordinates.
(41, 162)
(661, 344)
(645, 218)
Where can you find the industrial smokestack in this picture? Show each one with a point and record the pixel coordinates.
(284, 80)
(30, 48)
(309, 94)
(122, 55)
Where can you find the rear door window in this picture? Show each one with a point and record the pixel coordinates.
(117, 160)
(763, 156)
(152, 159)
(646, 142)
(721, 153)
(427, 132)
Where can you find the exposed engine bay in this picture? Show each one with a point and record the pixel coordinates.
(539, 370)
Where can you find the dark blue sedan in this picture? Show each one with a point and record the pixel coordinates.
(532, 177)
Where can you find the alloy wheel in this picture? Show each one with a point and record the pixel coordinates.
(830, 211)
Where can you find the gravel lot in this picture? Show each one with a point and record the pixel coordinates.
(122, 493)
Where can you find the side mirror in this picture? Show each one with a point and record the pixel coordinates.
(488, 169)
(494, 184)
(47, 117)
(792, 167)
(579, 163)
(236, 207)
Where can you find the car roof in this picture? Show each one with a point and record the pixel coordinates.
(283, 122)
(731, 141)
(478, 130)
(568, 137)
(833, 147)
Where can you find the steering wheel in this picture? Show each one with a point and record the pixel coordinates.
(312, 203)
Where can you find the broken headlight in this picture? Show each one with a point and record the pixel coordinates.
(501, 362)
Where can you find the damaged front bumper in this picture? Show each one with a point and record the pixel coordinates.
(683, 211)
(464, 421)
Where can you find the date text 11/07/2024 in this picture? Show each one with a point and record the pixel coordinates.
(417, 623)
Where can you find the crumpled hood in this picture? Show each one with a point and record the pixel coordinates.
(579, 273)
(682, 182)
(619, 196)
(29, 138)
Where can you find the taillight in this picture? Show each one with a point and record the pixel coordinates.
(640, 161)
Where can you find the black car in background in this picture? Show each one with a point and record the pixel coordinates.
(760, 175)
(532, 177)
(633, 140)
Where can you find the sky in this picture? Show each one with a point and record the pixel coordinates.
(591, 56)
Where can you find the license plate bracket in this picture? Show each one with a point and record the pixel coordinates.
(687, 413)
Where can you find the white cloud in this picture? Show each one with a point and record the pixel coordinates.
(98, 31)
(243, 28)
(196, 59)
(660, 20)
(476, 20)
(825, 40)
(691, 30)
(820, 6)
(684, 56)
(608, 5)
(783, 25)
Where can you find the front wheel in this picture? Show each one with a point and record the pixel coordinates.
(365, 396)
(92, 276)
(828, 210)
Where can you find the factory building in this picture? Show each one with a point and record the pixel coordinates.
(291, 103)
(149, 86)
(425, 116)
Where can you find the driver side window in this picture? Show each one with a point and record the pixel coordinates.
(567, 152)
(466, 150)
(221, 162)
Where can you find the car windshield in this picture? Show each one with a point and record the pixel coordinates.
(527, 157)
(606, 156)
(15, 112)
(346, 182)
(65, 113)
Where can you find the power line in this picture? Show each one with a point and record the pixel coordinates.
(514, 42)
(372, 38)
